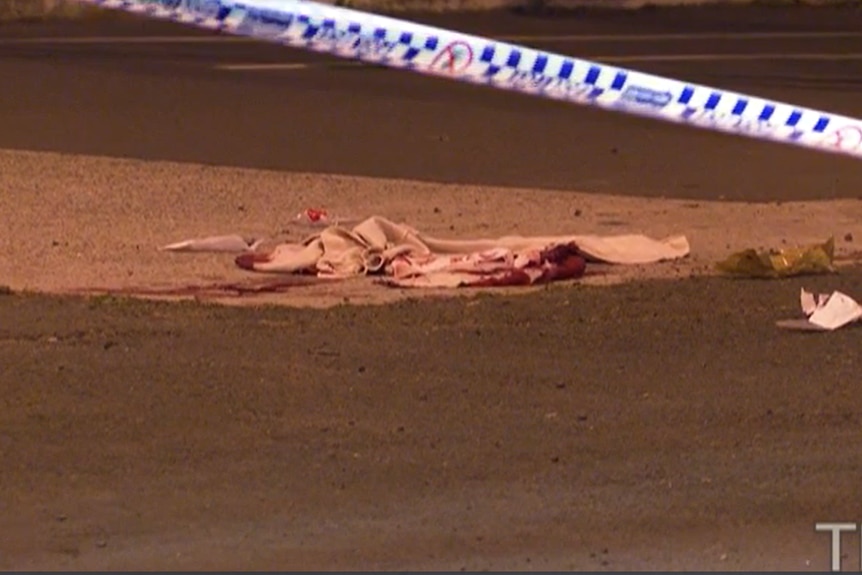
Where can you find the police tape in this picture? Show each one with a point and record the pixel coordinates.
(382, 40)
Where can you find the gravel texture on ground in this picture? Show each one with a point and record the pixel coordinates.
(94, 223)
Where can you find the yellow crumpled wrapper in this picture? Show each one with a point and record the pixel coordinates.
(805, 260)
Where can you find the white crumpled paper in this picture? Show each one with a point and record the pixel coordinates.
(824, 312)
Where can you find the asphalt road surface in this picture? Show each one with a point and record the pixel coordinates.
(658, 426)
(662, 425)
(122, 88)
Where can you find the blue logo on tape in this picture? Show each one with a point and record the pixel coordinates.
(646, 97)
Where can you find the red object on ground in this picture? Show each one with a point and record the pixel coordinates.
(562, 262)
(315, 215)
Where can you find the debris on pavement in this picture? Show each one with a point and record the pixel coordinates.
(320, 217)
(230, 243)
(824, 312)
(407, 258)
(806, 260)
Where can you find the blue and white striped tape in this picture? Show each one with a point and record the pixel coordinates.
(397, 43)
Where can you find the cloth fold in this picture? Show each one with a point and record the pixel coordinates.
(490, 268)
